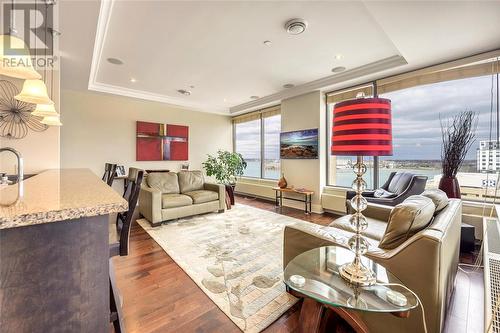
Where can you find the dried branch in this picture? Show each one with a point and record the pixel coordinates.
(458, 135)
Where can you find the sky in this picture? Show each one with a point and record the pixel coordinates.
(415, 120)
(416, 112)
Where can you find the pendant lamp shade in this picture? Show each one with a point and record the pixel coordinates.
(51, 121)
(15, 59)
(362, 127)
(35, 92)
(45, 110)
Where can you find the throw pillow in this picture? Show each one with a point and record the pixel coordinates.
(406, 219)
(381, 193)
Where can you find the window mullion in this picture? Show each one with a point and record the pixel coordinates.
(261, 146)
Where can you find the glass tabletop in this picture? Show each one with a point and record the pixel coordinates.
(315, 274)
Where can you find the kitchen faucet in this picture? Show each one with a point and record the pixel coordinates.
(20, 173)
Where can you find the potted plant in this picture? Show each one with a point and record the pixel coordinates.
(458, 136)
(225, 167)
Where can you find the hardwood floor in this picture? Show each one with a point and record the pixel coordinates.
(158, 296)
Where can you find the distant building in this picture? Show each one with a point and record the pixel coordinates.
(488, 156)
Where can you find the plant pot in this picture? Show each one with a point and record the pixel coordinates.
(450, 186)
(230, 192)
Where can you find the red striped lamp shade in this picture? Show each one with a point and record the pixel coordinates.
(362, 127)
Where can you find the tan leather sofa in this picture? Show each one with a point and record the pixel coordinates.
(169, 195)
(426, 262)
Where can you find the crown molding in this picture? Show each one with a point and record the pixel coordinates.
(171, 101)
(101, 33)
(355, 73)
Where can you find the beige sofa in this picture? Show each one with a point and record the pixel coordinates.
(169, 195)
(426, 262)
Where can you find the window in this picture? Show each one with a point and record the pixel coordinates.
(272, 129)
(256, 138)
(247, 143)
(419, 100)
(417, 129)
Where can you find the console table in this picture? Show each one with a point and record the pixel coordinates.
(306, 200)
(313, 276)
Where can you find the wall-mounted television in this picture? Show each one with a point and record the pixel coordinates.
(299, 144)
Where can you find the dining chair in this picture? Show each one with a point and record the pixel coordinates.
(119, 235)
(109, 173)
(132, 175)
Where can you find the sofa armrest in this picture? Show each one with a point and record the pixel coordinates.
(297, 240)
(150, 204)
(219, 188)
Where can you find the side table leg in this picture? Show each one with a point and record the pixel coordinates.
(281, 201)
(310, 204)
(311, 315)
(305, 203)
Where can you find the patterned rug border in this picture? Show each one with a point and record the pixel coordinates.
(192, 274)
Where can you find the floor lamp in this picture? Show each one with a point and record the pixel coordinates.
(361, 127)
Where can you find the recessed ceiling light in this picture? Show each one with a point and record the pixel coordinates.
(338, 69)
(184, 92)
(115, 61)
(133, 80)
(225, 99)
(296, 26)
(267, 43)
(288, 85)
(254, 97)
(339, 56)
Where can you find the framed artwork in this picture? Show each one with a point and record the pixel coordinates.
(301, 144)
(161, 142)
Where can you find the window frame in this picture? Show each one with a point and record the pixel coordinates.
(375, 83)
(261, 119)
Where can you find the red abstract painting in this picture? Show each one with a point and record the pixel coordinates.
(161, 142)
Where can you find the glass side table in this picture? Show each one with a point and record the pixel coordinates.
(314, 276)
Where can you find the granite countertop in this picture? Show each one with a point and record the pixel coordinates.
(57, 195)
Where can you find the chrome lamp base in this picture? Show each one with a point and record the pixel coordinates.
(355, 272)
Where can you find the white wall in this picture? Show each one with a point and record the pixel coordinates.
(40, 150)
(100, 128)
(298, 113)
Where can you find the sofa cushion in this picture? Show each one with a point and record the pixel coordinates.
(399, 182)
(201, 196)
(375, 230)
(175, 200)
(166, 182)
(190, 181)
(439, 198)
(406, 219)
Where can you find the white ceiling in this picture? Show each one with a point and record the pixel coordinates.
(218, 46)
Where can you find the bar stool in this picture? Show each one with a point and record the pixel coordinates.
(109, 173)
(119, 234)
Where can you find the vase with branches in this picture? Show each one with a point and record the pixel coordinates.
(458, 135)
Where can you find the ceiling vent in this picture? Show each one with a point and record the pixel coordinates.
(296, 26)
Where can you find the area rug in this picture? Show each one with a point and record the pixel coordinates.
(235, 258)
